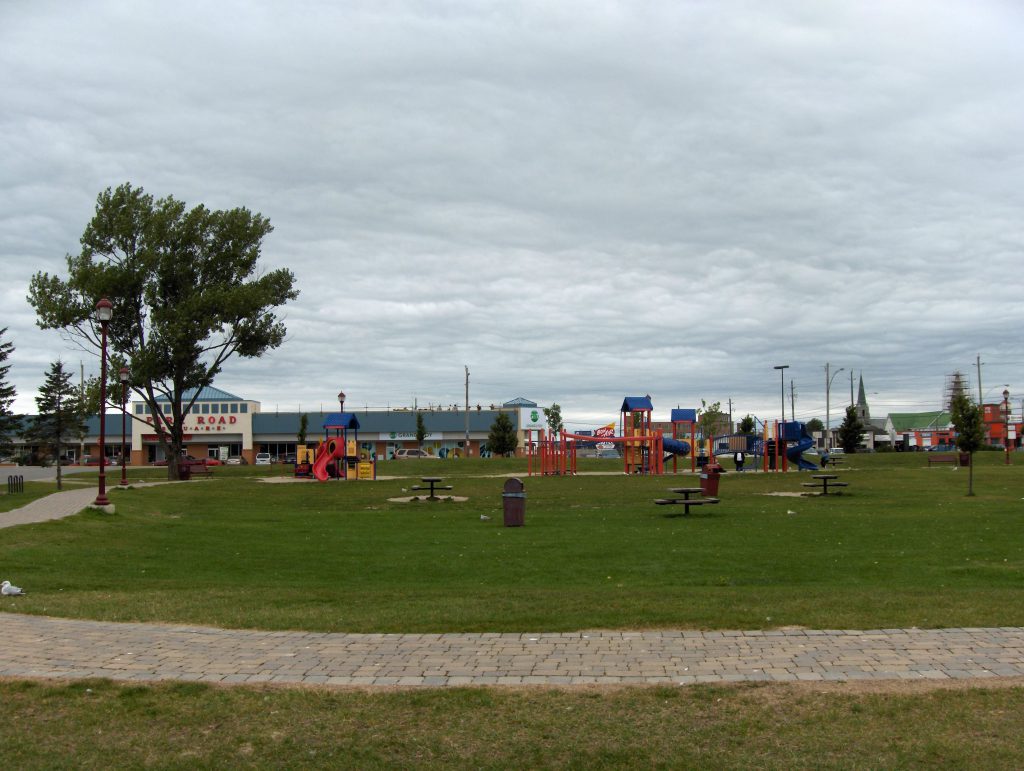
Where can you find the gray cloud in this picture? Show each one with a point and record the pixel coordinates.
(579, 201)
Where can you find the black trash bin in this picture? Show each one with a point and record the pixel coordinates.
(513, 503)
(184, 471)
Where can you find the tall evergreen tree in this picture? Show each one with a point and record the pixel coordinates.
(501, 439)
(746, 425)
(60, 415)
(970, 431)
(850, 431)
(421, 430)
(8, 421)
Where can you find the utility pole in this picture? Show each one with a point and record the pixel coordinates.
(467, 409)
(792, 398)
(81, 401)
(981, 399)
(730, 415)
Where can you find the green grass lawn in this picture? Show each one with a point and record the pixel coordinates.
(96, 724)
(903, 546)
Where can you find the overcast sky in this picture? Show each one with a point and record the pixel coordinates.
(578, 200)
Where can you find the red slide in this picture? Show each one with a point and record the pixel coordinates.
(335, 449)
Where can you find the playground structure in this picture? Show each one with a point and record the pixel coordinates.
(643, 448)
(778, 445)
(338, 455)
(646, 450)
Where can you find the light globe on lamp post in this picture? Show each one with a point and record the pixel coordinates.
(104, 312)
(123, 375)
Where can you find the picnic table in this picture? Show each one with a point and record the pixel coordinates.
(824, 480)
(686, 501)
(434, 483)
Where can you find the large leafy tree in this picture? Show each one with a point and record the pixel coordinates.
(61, 415)
(553, 416)
(8, 420)
(501, 439)
(187, 295)
(850, 431)
(970, 431)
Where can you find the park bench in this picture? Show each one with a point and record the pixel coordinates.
(196, 470)
(943, 458)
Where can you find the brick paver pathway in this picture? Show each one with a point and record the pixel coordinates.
(38, 646)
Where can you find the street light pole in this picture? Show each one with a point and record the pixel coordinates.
(782, 384)
(1006, 423)
(467, 453)
(828, 389)
(104, 312)
(123, 374)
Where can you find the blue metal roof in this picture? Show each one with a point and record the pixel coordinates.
(680, 415)
(394, 421)
(519, 401)
(206, 394)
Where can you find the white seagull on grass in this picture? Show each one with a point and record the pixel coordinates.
(9, 589)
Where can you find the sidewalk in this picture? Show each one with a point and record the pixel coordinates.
(62, 504)
(37, 646)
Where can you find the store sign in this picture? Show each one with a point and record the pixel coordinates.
(531, 418)
(204, 423)
(407, 436)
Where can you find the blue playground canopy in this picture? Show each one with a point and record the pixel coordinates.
(343, 420)
(631, 403)
(679, 416)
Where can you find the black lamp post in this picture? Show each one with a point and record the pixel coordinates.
(104, 312)
(782, 379)
(1006, 423)
(123, 374)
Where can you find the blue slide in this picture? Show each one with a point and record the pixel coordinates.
(675, 447)
(795, 453)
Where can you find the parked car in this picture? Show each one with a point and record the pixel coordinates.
(235, 460)
(404, 454)
(213, 462)
(263, 459)
(289, 458)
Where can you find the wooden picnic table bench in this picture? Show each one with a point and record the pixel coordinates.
(434, 483)
(825, 481)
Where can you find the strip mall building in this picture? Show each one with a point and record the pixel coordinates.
(222, 425)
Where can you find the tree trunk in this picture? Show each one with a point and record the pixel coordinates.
(970, 476)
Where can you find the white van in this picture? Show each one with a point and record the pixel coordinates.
(263, 459)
